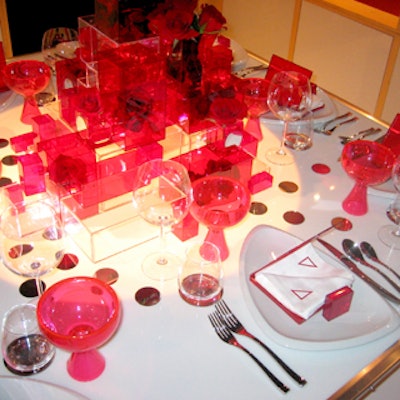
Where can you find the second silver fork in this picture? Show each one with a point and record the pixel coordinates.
(235, 325)
(226, 335)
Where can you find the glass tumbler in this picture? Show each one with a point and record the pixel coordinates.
(25, 349)
(200, 276)
(300, 133)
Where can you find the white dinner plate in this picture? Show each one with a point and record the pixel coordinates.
(369, 318)
(240, 56)
(15, 388)
(320, 116)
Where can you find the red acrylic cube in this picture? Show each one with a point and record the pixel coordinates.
(337, 303)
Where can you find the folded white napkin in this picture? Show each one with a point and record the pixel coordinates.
(301, 281)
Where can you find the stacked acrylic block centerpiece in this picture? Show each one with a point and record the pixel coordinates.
(118, 108)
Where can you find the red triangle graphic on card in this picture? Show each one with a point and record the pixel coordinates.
(307, 262)
(301, 294)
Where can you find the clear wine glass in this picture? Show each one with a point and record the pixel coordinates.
(289, 98)
(390, 234)
(57, 44)
(31, 240)
(162, 194)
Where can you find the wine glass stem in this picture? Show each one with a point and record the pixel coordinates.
(39, 287)
(281, 150)
(162, 260)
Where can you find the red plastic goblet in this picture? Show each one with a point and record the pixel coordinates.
(79, 315)
(368, 163)
(219, 202)
(255, 93)
(27, 77)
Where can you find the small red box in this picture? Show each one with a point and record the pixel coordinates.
(337, 303)
(259, 182)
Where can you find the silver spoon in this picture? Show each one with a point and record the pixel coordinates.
(370, 253)
(354, 252)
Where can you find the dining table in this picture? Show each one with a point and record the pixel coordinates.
(169, 350)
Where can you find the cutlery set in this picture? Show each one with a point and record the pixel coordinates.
(355, 253)
(225, 324)
(329, 127)
(357, 271)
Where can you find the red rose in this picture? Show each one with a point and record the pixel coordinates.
(69, 172)
(211, 20)
(174, 24)
(228, 110)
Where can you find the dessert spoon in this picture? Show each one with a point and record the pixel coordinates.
(370, 253)
(354, 252)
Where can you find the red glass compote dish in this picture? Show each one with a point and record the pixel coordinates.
(79, 315)
(27, 77)
(255, 93)
(368, 163)
(219, 202)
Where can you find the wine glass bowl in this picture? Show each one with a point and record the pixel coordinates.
(367, 163)
(59, 44)
(255, 91)
(31, 239)
(27, 78)
(390, 234)
(219, 202)
(78, 315)
(162, 194)
(289, 99)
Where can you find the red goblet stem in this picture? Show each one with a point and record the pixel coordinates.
(86, 365)
(253, 127)
(217, 237)
(30, 110)
(356, 201)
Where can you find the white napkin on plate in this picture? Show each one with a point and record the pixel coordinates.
(301, 281)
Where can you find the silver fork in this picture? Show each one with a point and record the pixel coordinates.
(235, 325)
(340, 123)
(359, 135)
(226, 335)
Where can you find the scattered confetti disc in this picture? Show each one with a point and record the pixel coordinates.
(69, 261)
(5, 181)
(3, 143)
(107, 275)
(294, 217)
(9, 160)
(288, 187)
(148, 296)
(258, 208)
(321, 168)
(341, 224)
(28, 288)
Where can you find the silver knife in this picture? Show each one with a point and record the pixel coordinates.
(353, 267)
